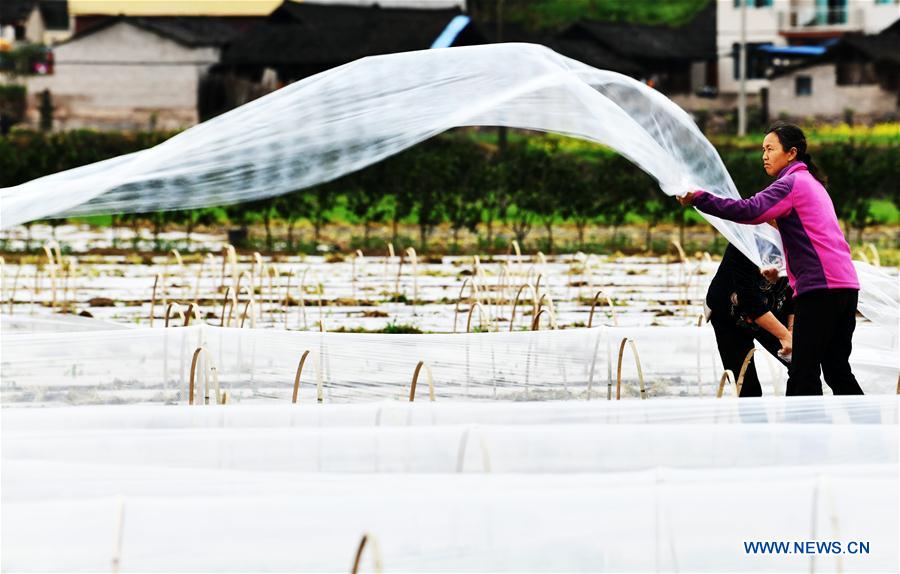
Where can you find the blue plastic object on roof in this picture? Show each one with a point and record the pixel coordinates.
(448, 36)
(792, 50)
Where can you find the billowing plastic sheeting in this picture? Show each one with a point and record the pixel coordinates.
(546, 486)
(352, 116)
(154, 365)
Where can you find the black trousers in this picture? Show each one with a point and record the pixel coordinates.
(824, 321)
(735, 342)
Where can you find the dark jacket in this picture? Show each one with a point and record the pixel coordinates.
(740, 291)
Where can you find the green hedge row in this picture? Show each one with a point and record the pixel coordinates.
(471, 184)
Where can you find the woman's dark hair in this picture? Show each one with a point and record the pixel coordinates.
(792, 136)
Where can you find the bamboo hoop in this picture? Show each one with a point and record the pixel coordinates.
(356, 254)
(69, 270)
(15, 284)
(320, 396)
(287, 297)
(178, 258)
(415, 379)
(54, 247)
(480, 316)
(502, 285)
(367, 540)
(173, 305)
(537, 285)
(399, 274)
(320, 291)
(227, 298)
(250, 293)
(209, 370)
(681, 254)
(550, 306)
(609, 302)
(38, 275)
(637, 362)
(51, 269)
(209, 257)
(459, 299)
(320, 287)
(744, 366)
(271, 277)
(240, 279)
(512, 317)
(297, 376)
(257, 270)
(739, 382)
(192, 312)
(726, 376)
(156, 281)
(180, 263)
(518, 250)
(250, 305)
(536, 321)
(414, 259)
(387, 260)
(682, 260)
(229, 257)
(302, 309)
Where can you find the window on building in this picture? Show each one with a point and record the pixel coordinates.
(885, 1)
(757, 61)
(803, 86)
(829, 12)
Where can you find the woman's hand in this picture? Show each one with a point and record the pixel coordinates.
(787, 345)
(686, 199)
(770, 273)
(770, 323)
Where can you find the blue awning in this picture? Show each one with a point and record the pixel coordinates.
(792, 50)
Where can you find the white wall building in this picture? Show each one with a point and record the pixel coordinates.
(784, 22)
(130, 73)
(799, 95)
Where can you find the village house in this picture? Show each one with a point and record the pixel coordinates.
(133, 72)
(35, 21)
(677, 60)
(858, 78)
(301, 39)
(784, 33)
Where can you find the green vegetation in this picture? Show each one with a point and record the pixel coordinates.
(12, 102)
(550, 15)
(819, 135)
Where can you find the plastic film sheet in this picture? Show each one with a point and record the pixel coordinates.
(154, 365)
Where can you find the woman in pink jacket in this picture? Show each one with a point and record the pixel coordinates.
(817, 256)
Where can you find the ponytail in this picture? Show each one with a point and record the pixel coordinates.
(792, 136)
(814, 170)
